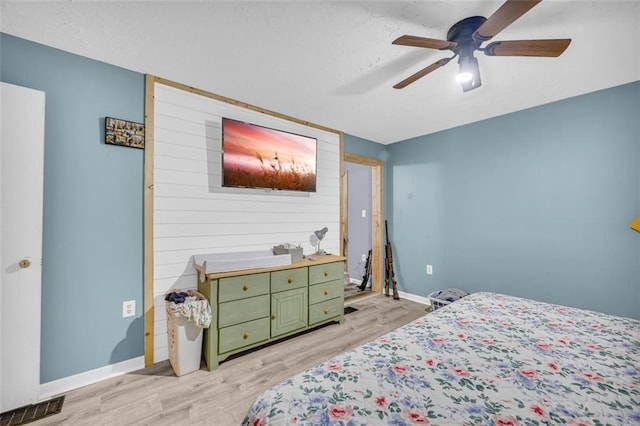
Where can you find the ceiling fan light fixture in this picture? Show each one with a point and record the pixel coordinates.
(463, 77)
(469, 73)
(467, 35)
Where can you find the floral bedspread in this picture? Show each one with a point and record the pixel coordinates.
(487, 359)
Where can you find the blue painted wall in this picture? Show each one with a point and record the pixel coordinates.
(93, 208)
(364, 147)
(534, 203)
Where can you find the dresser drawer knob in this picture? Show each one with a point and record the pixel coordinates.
(274, 316)
(326, 292)
(245, 287)
(245, 335)
(326, 274)
(290, 280)
(326, 311)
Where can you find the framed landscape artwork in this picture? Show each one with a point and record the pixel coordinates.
(255, 156)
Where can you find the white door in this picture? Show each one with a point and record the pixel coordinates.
(21, 190)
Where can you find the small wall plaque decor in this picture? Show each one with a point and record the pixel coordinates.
(125, 133)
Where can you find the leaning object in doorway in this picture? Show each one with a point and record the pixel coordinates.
(390, 280)
(367, 273)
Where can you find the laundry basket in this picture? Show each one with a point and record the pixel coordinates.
(442, 298)
(187, 314)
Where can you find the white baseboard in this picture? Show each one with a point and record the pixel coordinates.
(355, 281)
(414, 298)
(56, 387)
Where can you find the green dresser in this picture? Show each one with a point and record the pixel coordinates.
(253, 307)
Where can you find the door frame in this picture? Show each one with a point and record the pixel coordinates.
(376, 215)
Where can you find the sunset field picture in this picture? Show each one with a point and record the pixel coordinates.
(259, 157)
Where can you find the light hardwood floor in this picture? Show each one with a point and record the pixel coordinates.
(155, 396)
(351, 292)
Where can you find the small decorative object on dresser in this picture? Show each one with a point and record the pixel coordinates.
(255, 306)
(317, 237)
(294, 250)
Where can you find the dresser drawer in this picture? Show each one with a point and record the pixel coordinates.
(325, 310)
(241, 335)
(234, 288)
(325, 291)
(289, 279)
(238, 311)
(327, 272)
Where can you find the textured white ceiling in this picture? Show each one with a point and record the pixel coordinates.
(332, 63)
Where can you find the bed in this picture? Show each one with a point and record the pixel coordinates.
(487, 359)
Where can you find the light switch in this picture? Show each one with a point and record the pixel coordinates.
(364, 213)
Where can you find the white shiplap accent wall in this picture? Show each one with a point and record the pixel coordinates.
(192, 214)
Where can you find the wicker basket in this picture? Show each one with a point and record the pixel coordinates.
(442, 298)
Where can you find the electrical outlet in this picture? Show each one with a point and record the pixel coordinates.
(364, 258)
(128, 308)
(429, 269)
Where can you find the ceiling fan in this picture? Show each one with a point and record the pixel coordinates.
(466, 36)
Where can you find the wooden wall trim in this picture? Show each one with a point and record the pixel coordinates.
(244, 105)
(354, 158)
(148, 220)
(343, 204)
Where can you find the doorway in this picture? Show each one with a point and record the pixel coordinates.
(374, 216)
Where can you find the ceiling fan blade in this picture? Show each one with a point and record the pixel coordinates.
(407, 81)
(431, 43)
(503, 17)
(549, 48)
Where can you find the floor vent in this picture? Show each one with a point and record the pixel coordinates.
(31, 413)
(349, 309)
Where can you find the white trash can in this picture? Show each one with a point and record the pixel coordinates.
(184, 331)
